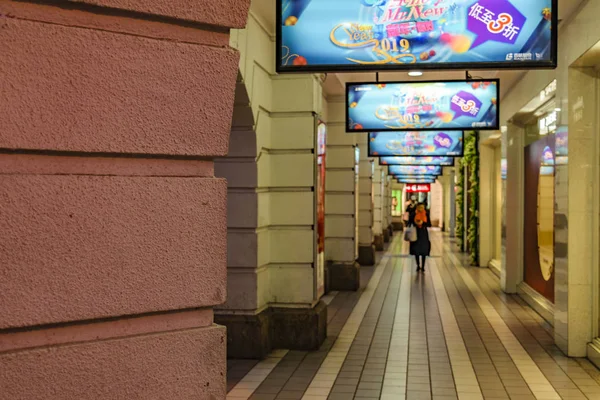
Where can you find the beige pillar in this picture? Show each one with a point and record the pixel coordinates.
(366, 249)
(275, 277)
(340, 203)
(378, 204)
(512, 272)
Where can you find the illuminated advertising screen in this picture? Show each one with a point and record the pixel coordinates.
(443, 161)
(416, 144)
(415, 170)
(409, 177)
(374, 35)
(422, 106)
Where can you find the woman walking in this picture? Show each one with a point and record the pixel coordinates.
(421, 248)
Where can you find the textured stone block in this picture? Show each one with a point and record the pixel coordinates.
(228, 13)
(182, 365)
(86, 247)
(84, 90)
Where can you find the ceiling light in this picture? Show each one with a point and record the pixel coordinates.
(415, 73)
(557, 109)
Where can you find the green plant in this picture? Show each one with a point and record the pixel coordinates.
(471, 160)
(460, 205)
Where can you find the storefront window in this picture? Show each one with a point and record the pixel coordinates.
(540, 201)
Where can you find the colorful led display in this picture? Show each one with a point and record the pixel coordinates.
(416, 144)
(422, 106)
(373, 35)
(443, 161)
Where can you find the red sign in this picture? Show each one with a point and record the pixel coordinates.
(421, 188)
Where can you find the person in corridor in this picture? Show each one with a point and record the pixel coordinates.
(422, 247)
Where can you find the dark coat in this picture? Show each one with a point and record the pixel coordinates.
(422, 247)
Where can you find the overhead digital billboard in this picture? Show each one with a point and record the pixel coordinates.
(409, 177)
(416, 144)
(414, 170)
(422, 106)
(375, 35)
(443, 161)
(413, 181)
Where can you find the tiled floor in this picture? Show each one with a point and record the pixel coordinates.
(447, 334)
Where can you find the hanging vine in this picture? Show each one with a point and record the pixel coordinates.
(471, 160)
(460, 205)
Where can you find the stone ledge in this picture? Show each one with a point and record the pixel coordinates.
(227, 13)
(90, 247)
(84, 90)
(182, 365)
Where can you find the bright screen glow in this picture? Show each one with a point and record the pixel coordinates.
(418, 106)
(416, 144)
(444, 161)
(414, 170)
(345, 35)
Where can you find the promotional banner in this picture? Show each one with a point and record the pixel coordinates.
(416, 144)
(422, 106)
(373, 35)
(443, 161)
(415, 170)
(419, 188)
(321, 168)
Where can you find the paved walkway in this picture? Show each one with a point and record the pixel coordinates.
(447, 334)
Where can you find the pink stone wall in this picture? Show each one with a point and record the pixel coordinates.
(113, 226)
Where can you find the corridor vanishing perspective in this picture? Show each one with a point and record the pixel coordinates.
(450, 333)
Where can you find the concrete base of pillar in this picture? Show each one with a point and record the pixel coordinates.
(386, 235)
(255, 336)
(299, 328)
(366, 255)
(345, 277)
(378, 241)
(391, 230)
(247, 335)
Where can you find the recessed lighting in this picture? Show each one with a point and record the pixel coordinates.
(415, 73)
(558, 109)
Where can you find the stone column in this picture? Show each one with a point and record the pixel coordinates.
(577, 270)
(272, 264)
(113, 249)
(340, 203)
(487, 206)
(366, 249)
(387, 210)
(512, 271)
(378, 188)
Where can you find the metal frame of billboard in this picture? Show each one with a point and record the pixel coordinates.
(415, 176)
(491, 128)
(525, 65)
(402, 182)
